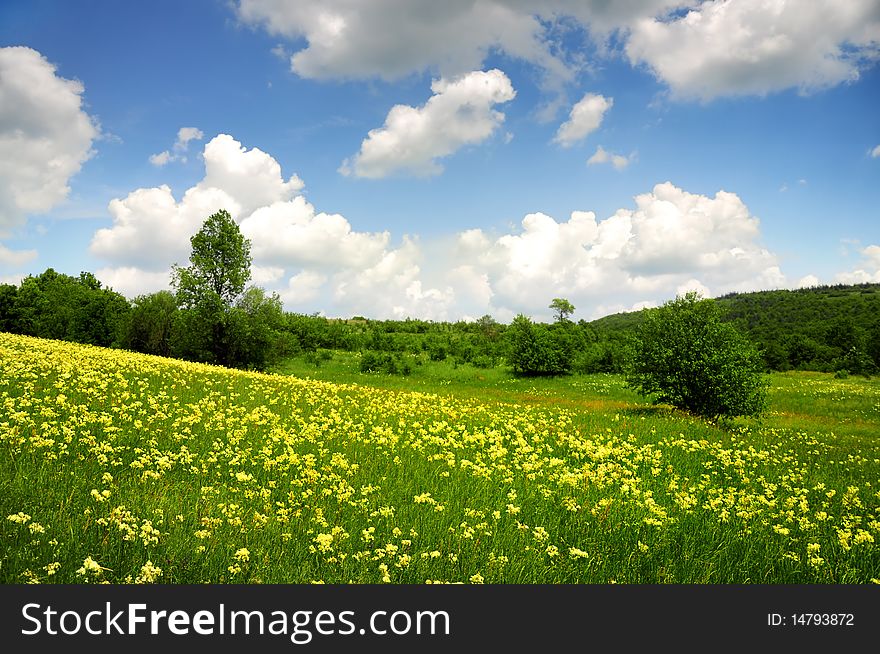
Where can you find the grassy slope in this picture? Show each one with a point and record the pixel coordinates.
(484, 477)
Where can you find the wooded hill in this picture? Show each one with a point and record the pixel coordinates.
(817, 328)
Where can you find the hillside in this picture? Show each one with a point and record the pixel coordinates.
(810, 328)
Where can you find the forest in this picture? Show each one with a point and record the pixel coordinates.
(826, 328)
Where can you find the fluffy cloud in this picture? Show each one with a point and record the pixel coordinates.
(749, 47)
(601, 156)
(585, 117)
(319, 254)
(869, 270)
(807, 281)
(151, 230)
(45, 136)
(671, 241)
(391, 39)
(132, 281)
(875, 152)
(181, 145)
(292, 231)
(719, 47)
(459, 113)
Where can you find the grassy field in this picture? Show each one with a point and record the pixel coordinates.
(126, 468)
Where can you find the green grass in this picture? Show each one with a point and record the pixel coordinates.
(477, 476)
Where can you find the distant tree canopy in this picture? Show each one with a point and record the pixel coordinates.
(685, 356)
(802, 329)
(213, 316)
(562, 308)
(54, 305)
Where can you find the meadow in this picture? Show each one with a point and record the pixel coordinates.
(127, 468)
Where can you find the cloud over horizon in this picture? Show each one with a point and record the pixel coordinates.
(671, 239)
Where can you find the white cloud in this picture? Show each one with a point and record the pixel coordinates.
(293, 233)
(185, 135)
(302, 288)
(748, 47)
(15, 258)
(718, 48)
(669, 240)
(162, 158)
(181, 145)
(262, 275)
(807, 281)
(459, 113)
(322, 255)
(601, 156)
(869, 270)
(131, 281)
(151, 230)
(875, 152)
(585, 118)
(693, 286)
(45, 135)
(12, 280)
(391, 39)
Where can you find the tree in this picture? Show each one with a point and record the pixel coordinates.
(563, 308)
(537, 349)
(685, 356)
(150, 323)
(220, 264)
(220, 267)
(253, 327)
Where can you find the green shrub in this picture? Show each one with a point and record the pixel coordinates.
(687, 357)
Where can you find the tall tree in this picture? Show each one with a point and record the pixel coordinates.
(220, 267)
(220, 264)
(562, 308)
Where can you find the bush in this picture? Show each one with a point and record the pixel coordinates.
(391, 364)
(687, 357)
(537, 349)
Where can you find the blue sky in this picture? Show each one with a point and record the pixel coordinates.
(732, 147)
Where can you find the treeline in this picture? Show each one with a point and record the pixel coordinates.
(825, 328)
(254, 332)
(80, 309)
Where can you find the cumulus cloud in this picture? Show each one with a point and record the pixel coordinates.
(808, 281)
(671, 241)
(161, 158)
(459, 113)
(132, 281)
(704, 49)
(868, 271)
(585, 118)
(45, 135)
(391, 39)
(151, 229)
(667, 241)
(319, 254)
(875, 152)
(181, 145)
(748, 47)
(602, 155)
(292, 231)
